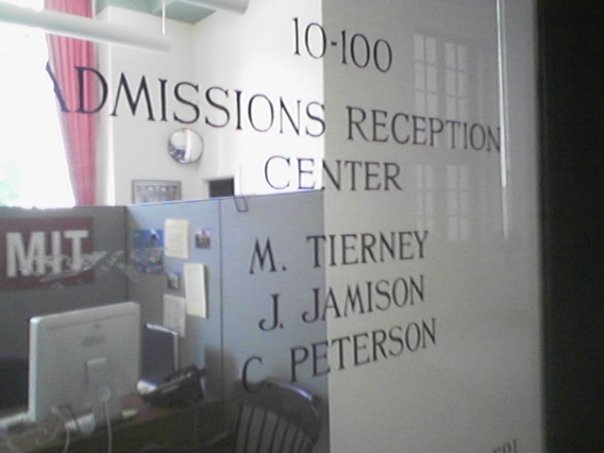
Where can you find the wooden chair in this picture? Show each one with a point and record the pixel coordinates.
(271, 417)
(275, 417)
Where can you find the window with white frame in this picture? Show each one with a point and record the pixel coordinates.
(426, 75)
(458, 203)
(456, 81)
(33, 168)
(425, 197)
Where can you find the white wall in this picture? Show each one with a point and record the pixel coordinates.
(136, 148)
(253, 53)
(250, 53)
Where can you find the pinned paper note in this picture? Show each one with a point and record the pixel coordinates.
(175, 313)
(177, 238)
(195, 289)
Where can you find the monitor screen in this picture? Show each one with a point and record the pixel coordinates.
(84, 361)
(160, 353)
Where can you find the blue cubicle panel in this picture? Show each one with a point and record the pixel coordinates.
(149, 283)
(270, 288)
(257, 256)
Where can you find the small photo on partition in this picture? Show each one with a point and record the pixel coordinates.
(173, 280)
(148, 251)
(202, 239)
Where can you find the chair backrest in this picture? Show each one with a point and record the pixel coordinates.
(275, 417)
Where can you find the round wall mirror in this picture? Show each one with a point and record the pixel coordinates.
(185, 146)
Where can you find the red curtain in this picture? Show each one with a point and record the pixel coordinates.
(79, 129)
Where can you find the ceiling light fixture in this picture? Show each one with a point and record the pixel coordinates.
(82, 27)
(237, 6)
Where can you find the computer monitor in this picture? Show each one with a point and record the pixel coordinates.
(160, 354)
(84, 361)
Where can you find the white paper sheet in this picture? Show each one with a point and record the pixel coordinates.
(177, 238)
(175, 313)
(195, 289)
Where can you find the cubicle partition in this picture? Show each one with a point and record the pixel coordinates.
(157, 276)
(39, 250)
(235, 277)
(255, 259)
(273, 291)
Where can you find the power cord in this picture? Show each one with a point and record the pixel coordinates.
(104, 395)
(39, 434)
(55, 432)
(9, 443)
(56, 411)
(74, 419)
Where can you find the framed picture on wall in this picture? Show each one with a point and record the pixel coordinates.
(154, 191)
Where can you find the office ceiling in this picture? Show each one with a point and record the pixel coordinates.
(175, 10)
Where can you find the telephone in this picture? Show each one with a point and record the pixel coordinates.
(180, 389)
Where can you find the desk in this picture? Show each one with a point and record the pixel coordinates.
(152, 425)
